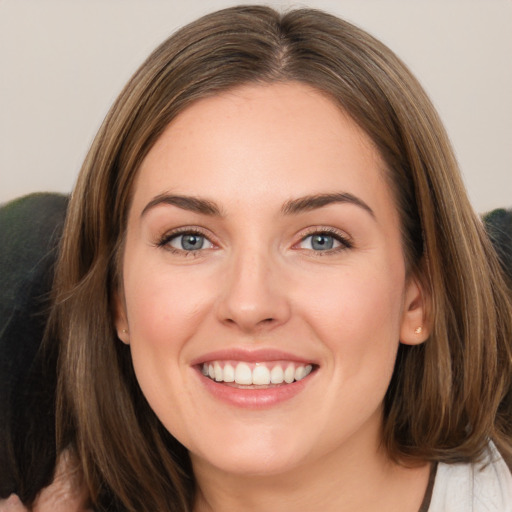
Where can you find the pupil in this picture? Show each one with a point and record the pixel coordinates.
(192, 242)
(322, 242)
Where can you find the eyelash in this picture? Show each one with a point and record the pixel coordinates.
(345, 242)
(164, 241)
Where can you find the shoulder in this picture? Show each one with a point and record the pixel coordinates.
(480, 487)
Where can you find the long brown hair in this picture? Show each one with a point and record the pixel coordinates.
(448, 397)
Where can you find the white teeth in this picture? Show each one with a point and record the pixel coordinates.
(243, 374)
(289, 374)
(302, 372)
(277, 375)
(259, 375)
(299, 373)
(217, 369)
(229, 373)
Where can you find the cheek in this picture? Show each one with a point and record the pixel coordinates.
(358, 322)
(163, 304)
(164, 310)
(358, 317)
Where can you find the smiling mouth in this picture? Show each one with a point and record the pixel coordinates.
(262, 375)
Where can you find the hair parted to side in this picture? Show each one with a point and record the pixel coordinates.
(447, 397)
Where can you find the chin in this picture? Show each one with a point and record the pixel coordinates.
(260, 465)
(256, 455)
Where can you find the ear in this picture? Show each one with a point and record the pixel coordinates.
(415, 327)
(120, 318)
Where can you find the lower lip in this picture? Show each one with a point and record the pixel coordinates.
(253, 398)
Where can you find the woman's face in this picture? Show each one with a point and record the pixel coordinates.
(263, 245)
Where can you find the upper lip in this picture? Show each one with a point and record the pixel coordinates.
(259, 355)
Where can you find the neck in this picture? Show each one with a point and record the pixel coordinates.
(357, 478)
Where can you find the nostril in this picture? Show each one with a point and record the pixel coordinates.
(256, 325)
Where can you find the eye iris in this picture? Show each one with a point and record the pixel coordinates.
(192, 242)
(322, 242)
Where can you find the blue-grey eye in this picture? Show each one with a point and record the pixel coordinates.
(320, 242)
(190, 242)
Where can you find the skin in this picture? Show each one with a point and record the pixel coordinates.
(258, 283)
(67, 493)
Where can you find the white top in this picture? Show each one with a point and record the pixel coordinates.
(483, 487)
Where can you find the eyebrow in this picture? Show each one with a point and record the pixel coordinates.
(193, 204)
(312, 202)
(291, 207)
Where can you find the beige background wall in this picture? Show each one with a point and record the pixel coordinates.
(62, 63)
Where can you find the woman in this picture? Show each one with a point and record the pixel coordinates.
(272, 291)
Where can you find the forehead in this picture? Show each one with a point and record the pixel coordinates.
(262, 142)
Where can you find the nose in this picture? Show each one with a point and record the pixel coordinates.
(253, 296)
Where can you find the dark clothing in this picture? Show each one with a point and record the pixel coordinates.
(30, 229)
